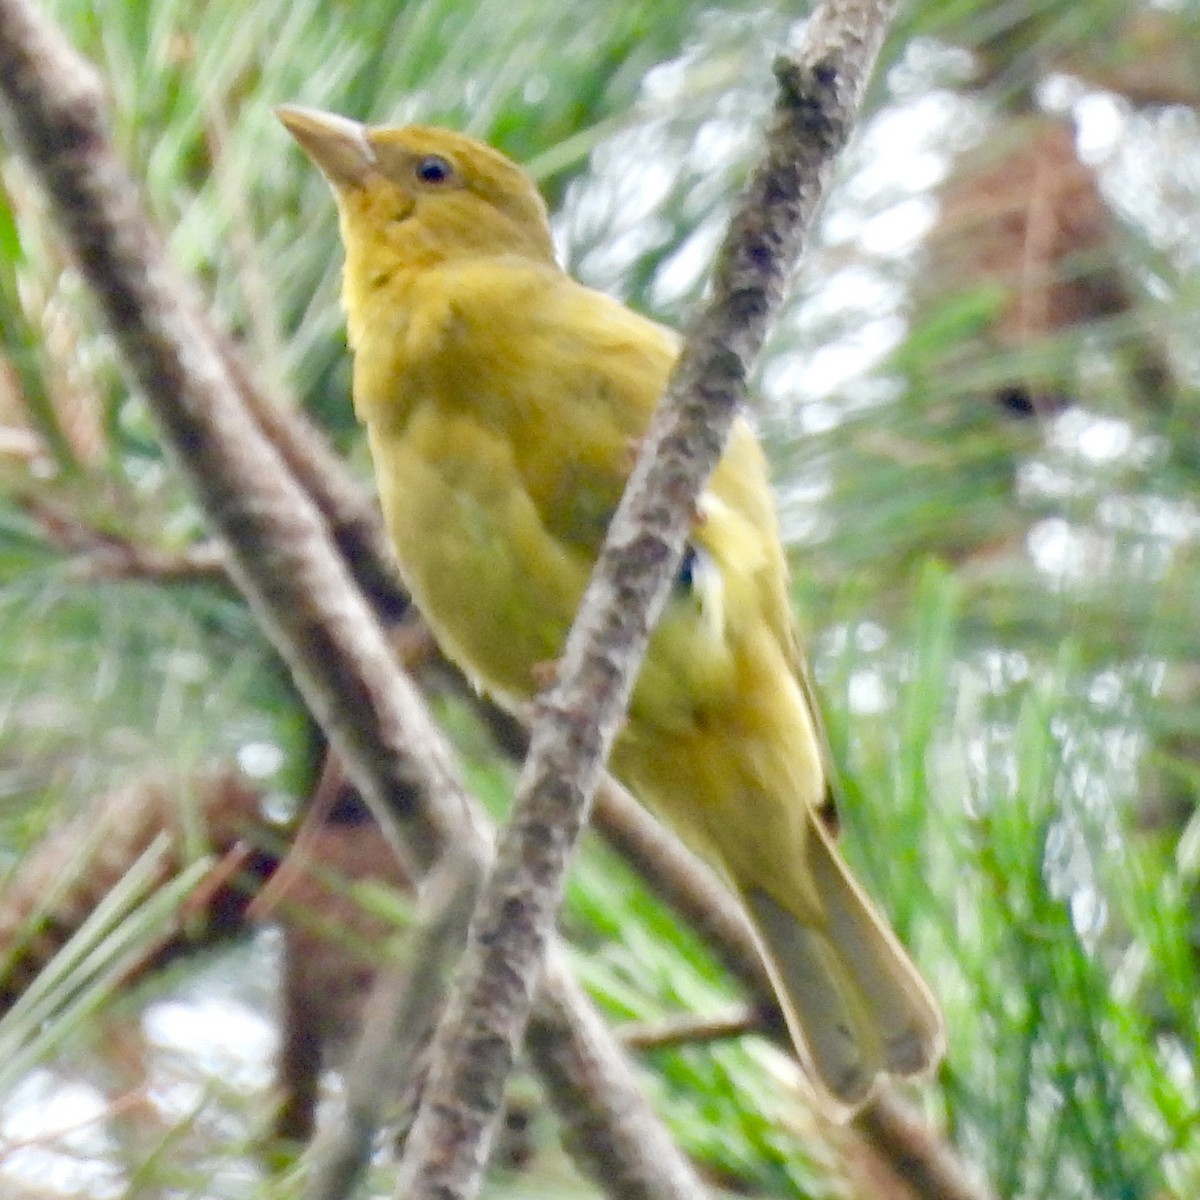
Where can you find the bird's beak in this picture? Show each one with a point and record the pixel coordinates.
(339, 146)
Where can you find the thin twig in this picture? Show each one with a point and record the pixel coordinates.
(577, 720)
(98, 554)
(688, 1030)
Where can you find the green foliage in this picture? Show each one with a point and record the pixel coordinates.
(1003, 606)
(88, 970)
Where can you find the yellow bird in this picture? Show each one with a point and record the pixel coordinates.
(502, 400)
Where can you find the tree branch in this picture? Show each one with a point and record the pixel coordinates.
(277, 541)
(577, 720)
(279, 548)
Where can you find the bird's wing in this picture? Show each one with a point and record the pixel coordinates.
(565, 375)
(741, 481)
(614, 365)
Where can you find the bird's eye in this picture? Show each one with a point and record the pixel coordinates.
(433, 168)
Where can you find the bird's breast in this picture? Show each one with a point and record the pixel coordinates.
(498, 590)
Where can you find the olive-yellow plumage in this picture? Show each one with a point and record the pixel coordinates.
(502, 401)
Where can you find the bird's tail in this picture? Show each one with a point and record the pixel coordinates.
(855, 1005)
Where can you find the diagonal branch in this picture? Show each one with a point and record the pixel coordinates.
(278, 543)
(575, 726)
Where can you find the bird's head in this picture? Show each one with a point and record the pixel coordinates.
(422, 195)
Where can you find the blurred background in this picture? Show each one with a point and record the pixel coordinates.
(982, 404)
